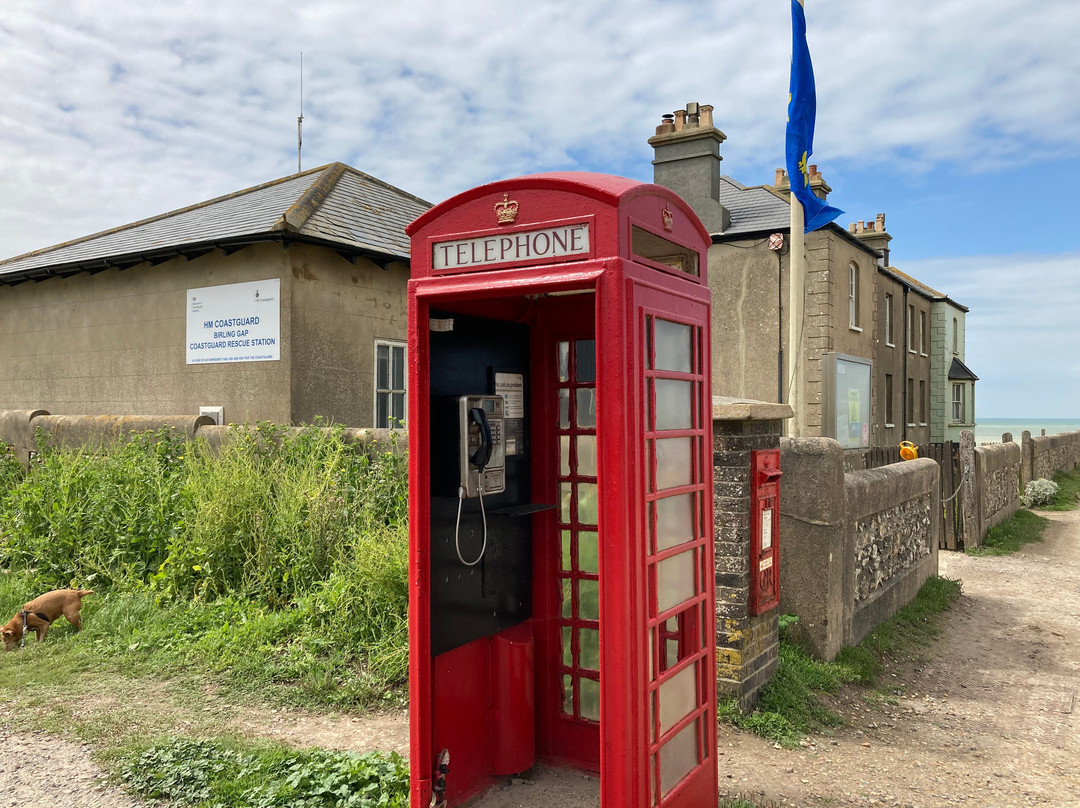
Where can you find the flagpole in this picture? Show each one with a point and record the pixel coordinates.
(796, 300)
(796, 310)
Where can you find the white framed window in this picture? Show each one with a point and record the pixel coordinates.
(853, 296)
(924, 336)
(955, 336)
(911, 328)
(923, 414)
(958, 403)
(390, 383)
(889, 320)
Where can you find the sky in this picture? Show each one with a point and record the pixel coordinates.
(959, 119)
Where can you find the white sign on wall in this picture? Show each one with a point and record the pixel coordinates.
(237, 322)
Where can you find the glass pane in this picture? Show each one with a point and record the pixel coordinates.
(673, 347)
(588, 558)
(590, 699)
(588, 599)
(398, 401)
(382, 366)
(675, 580)
(565, 493)
(674, 520)
(564, 455)
(586, 406)
(586, 503)
(567, 647)
(382, 415)
(564, 361)
(589, 652)
(586, 455)
(678, 696)
(648, 343)
(673, 462)
(397, 367)
(568, 694)
(564, 408)
(678, 756)
(586, 360)
(566, 559)
(671, 651)
(567, 585)
(674, 409)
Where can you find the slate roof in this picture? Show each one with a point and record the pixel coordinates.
(753, 210)
(335, 205)
(958, 371)
(920, 287)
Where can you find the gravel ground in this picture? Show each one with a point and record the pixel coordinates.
(990, 721)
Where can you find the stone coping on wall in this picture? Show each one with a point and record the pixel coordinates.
(727, 408)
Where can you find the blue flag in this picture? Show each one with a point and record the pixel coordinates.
(802, 109)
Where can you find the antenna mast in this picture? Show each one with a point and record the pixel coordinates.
(300, 119)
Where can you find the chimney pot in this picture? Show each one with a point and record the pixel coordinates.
(813, 169)
(851, 227)
(862, 225)
(680, 119)
(706, 115)
(781, 175)
(881, 221)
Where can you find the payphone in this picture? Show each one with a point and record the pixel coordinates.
(482, 456)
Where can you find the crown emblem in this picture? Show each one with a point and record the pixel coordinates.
(669, 217)
(506, 211)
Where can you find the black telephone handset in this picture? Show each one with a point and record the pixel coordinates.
(482, 455)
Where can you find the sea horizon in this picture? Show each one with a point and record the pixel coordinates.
(990, 430)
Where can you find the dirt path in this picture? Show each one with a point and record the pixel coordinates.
(990, 721)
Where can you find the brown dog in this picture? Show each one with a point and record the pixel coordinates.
(39, 614)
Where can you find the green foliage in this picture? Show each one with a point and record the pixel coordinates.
(94, 518)
(214, 774)
(1068, 483)
(1023, 528)
(10, 470)
(789, 706)
(279, 559)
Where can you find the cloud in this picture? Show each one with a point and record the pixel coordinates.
(1023, 329)
(117, 112)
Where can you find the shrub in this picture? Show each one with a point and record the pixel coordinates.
(1039, 492)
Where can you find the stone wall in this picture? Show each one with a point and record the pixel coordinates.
(856, 546)
(20, 429)
(997, 484)
(1049, 454)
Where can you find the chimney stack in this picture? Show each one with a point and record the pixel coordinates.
(873, 235)
(687, 158)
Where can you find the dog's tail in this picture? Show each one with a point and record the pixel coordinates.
(82, 593)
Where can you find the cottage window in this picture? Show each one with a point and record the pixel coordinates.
(853, 296)
(889, 319)
(958, 403)
(955, 336)
(910, 340)
(924, 340)
(389, 383)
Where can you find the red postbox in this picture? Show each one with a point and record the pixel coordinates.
(561, 562)
(765, 530)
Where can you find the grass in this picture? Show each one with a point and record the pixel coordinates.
(272, 571)
(1068, 491)
(1024, 527)
(790, 707)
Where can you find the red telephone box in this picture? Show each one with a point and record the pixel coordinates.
(561, 532)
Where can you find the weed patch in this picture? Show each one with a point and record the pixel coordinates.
(200, 772)
(789, 707)
(1068, 483)
(1023, 528)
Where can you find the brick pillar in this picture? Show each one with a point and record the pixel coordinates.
(746, 647)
